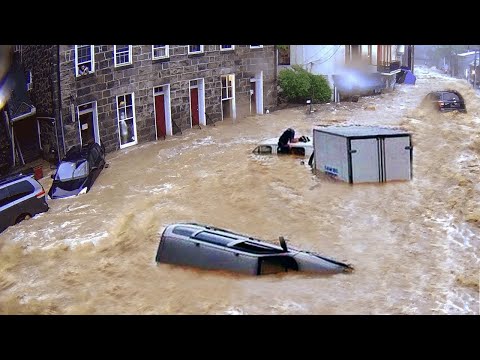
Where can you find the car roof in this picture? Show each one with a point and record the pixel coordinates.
(77, 152)
(11, 178)
(274, 142)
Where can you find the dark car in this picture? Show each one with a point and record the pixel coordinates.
(446, 100)
(77, 171)
(21, 197)
(208, 247)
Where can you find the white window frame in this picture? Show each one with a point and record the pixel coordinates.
(167, 52)
(91, 61)
(135, 142)
(229, 89)
(227, 49)
(124, 63)
(195, 52)
(17, 48)
(30, 81)
(256, 46)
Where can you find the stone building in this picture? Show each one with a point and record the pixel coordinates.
(123, 95)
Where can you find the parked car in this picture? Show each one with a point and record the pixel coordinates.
(77, 171)
(446, 100)
(270, 146)
(208, 247)
(21, 197)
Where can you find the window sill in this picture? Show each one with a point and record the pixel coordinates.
(161, 60)
(86, 76)
(196, 54)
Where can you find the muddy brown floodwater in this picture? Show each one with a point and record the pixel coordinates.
(414, 244)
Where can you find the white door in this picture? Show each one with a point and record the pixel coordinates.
(397, 158)
(365, 160)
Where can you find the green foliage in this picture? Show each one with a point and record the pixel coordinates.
(298, 85)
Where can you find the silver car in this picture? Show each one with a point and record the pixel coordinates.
(208, 247)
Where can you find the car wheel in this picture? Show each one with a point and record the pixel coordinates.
(22, 217)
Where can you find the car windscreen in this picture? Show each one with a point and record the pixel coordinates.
(72, 170)
(448, 96)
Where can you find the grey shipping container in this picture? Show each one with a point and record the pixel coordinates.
(357, 154)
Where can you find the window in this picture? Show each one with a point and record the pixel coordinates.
(263, 149)
(256, 46)
(17, 48)
(214, 238)
(284, 55)
(4, 196)
(19, 190)
(127, 129)
(123, 54)
(384, 55)
(227, 83)
(29, 80)
(195, 49)
(255, 248)
(160, 52)
(184, 231)
(84, 60)
(72, 170)
(227, 47)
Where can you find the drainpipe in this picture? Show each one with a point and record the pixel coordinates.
(59, 105)
(275, 81)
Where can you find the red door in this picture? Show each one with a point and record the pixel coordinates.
(194, 106)
(160, 116)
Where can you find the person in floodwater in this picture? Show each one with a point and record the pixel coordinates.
(284, 141)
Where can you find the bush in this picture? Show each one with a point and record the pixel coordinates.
(298, 85)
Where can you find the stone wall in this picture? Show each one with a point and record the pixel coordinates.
(107, 82)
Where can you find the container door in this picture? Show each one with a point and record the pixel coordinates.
(397, 158)
(365, 160)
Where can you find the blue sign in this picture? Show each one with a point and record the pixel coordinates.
(330, 170)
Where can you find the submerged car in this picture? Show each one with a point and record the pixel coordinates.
(270, 146)
(21, 197)
(446, 100)
(77, 171)
(207, 247)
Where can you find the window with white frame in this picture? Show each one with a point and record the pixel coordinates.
(160, 52)
(227, 47)
(256, 46)
(227, 85)
(123, 54)
(29, 80)
(127, 128)
(195, 49)
(84, 60)
(17, 48)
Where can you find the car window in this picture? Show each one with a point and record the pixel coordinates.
(71, 170)
(448, 96)
(256, 248)
(214, 238)
(19, 190)
(4, 196)
(263, 149)
(184, 231)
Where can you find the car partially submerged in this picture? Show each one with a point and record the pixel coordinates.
(77, 171)
(203, 246)
(270, 146)
(445, 100)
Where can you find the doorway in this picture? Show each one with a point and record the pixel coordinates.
(88, 123)
(197, 102)
(162, 110)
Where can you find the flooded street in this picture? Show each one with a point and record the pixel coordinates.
(414, 245)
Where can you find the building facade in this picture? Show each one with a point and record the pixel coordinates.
(345, 61)
(123, 95)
